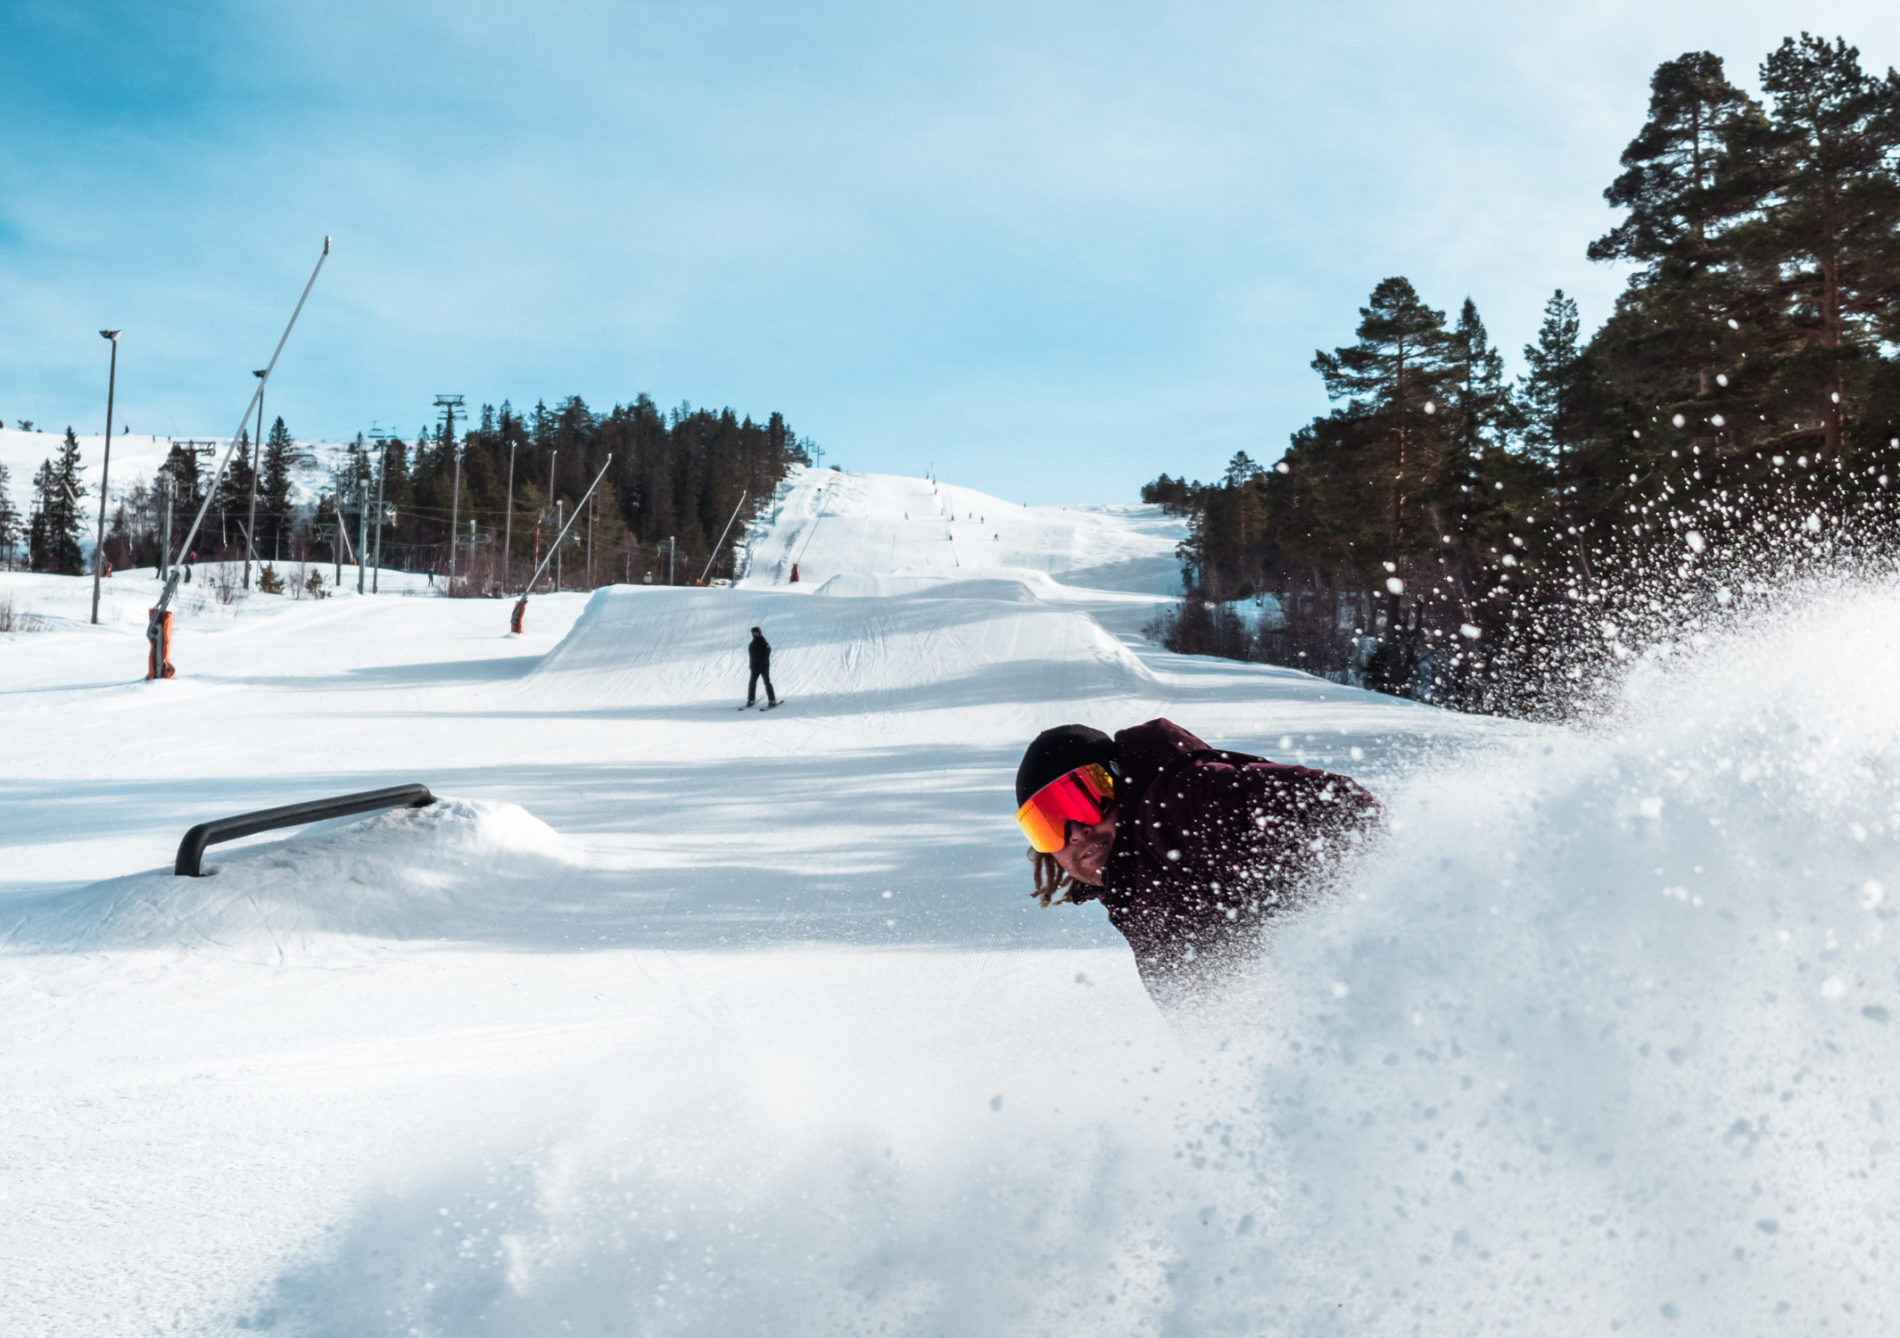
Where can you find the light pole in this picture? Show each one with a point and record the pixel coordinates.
(382, 472)
(105, 468)
(257, 454)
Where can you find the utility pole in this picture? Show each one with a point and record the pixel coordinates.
(165, 544)
(105, 468)
(552, 457)
(362, 519)
(451, 405)
(590, 543)
(508, 519)
(559, 528)
(381, 439)
(257, 456)
(672, 551)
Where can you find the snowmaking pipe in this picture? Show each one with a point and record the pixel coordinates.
(521, 605)
(714, 555)
(160, 669)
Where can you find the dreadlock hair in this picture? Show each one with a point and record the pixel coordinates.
(1052, 884)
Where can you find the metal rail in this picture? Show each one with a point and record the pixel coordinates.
(191, 850)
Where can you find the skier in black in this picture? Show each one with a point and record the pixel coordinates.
(761, 652)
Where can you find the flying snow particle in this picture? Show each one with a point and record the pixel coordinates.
(1340, 989)
(1871, 895)
(1721, 378)
(1833, 987)
(1716, 420)
(1814, 523)
(1734, 324)
(1835, 396)
(1651, 807)
(1433, 408)
(1696, 542)
(1678, 420)
(1470, 631)
(1396, 584)
(1391, 566)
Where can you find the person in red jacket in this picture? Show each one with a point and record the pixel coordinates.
(1191, 849)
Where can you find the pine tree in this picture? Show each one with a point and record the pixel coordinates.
(234, 497)
(1484, 411)
(9, 520)
(54, 532)
(1827, 237)
(1397, 374)
(274, 518)
(1553, 387)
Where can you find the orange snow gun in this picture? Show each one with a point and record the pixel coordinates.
(158, 662)
(516, 618)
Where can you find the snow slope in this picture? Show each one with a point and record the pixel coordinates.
(135, 459)
(677, 1019)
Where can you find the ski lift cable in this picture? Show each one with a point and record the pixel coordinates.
(171, 585)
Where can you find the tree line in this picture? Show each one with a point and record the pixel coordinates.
(1446, 532)
(678, 482)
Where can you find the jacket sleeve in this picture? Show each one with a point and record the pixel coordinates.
(1269, 819)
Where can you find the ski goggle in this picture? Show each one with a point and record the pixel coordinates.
(1083, 795)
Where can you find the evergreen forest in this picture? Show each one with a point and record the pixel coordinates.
(504, 487)
(1448, 533)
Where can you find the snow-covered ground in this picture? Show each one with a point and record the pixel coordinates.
(672, 1018)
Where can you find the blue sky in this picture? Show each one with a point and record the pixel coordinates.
(1052, 248)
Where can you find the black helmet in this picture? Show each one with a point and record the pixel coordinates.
(1057, 752)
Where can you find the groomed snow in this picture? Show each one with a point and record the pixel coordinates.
(672, 1018)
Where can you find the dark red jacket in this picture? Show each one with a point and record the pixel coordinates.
(1211, 844)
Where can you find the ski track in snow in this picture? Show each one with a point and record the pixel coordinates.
(675, 1019)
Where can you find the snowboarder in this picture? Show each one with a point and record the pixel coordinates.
(1190, 849)
(761, 653)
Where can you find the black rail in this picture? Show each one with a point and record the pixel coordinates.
(191, 850)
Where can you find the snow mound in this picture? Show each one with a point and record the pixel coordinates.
(1016, 587)
(436, 872)
(655, 647)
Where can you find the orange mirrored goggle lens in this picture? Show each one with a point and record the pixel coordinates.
(1081, 796)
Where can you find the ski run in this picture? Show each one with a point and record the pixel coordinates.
(665, 1020)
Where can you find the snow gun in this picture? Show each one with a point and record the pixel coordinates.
(516, 618)
(158, 630)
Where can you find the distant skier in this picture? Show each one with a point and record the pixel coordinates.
(761, 653)
(1191, 849)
